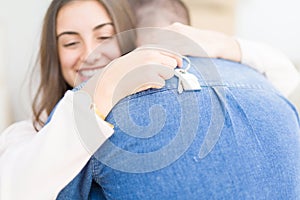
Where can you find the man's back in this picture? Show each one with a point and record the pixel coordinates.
(235, 138)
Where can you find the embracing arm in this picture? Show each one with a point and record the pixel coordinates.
(265, 59)
(39, 165)
(272, 63)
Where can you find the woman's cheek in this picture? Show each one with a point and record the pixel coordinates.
(111, 49)
(69, 61)
(68, 58)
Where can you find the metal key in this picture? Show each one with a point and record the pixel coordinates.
(186, 81)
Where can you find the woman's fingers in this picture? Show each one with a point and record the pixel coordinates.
(158, 83)
(173, 59)
(161, 55)
(134, 72)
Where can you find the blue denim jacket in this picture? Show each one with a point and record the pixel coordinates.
(236, 138)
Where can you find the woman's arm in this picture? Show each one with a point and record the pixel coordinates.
(272, 63)
(265, 59)
(39, 165)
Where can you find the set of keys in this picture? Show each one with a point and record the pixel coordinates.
(186, 80)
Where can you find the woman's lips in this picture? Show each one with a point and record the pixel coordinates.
(86, 74)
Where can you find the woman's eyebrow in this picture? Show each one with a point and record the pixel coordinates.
(101, 25)
(66, 33)
(75, 33)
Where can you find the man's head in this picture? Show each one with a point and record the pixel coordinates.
(159, 13)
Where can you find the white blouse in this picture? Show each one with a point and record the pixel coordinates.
(38, 165)
(272, 63)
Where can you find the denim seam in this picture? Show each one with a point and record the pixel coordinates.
(231, 86)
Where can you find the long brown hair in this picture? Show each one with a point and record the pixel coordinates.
(52, 83)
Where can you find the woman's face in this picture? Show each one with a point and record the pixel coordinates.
(81, 27)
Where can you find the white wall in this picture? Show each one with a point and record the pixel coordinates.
(5, 107)
(20, 37)
(274, 22)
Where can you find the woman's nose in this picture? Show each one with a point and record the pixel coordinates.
(92, 54)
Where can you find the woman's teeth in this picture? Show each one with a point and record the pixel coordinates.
(88, 73)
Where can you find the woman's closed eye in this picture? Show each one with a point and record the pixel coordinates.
(104, 31)
(71, 44)
(101, 38)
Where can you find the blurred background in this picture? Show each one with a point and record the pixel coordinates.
(273, 22)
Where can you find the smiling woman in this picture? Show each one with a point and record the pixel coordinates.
(37, 161)
(69, 36)
(81, 27)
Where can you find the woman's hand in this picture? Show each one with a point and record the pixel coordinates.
(136, 71)
(215, 44)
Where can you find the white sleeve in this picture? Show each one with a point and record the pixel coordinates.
(272, 63)
(39, 165)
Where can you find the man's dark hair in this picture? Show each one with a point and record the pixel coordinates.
(160, 12)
